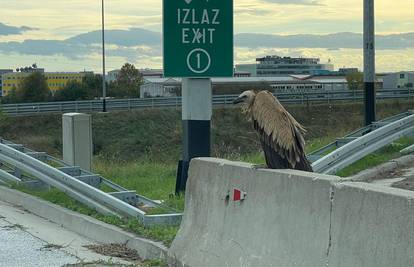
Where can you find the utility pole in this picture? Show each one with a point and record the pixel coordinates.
(369, 61)
(103, 60)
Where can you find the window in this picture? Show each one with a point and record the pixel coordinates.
(402, 76)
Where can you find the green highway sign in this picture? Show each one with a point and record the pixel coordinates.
(198, 38)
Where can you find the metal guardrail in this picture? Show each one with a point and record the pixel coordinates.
(362, 142)
(24, 166)
(27, 109)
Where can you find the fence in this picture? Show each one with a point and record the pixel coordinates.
(27, 109)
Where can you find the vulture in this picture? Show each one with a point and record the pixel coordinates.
(281, 136)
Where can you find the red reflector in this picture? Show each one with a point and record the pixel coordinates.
(237, 195)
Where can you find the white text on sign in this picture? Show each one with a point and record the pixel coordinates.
(193, 17)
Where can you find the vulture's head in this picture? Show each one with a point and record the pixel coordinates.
(247, 97)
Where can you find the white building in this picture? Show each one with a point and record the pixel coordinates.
(403, 79)
(165, 87)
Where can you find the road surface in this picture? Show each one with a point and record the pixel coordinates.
(28, 240)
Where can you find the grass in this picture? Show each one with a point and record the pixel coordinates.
(164, 234)
(374, 159)
(139, 150)
(153, 180)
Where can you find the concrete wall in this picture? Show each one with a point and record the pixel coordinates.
(290, 218)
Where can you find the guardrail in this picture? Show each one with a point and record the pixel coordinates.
(27, 109)
(362, 142)
(27, 167)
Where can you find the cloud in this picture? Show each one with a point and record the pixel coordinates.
(296, 2)
(11, 30)
(144, 47)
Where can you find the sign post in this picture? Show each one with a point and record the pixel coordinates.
(198, 45)
(369, 61)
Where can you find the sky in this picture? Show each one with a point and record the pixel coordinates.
(62, 19)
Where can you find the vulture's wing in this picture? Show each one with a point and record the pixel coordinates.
(278, 131)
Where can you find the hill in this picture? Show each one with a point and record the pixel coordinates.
(156, 134)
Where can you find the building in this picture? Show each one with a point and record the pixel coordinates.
(160, 87)
(3, 71)
(346, 71)
(403, 79)
(250, 68)
(271, 66)
(242, 74)
(55, 80)
(164, 87)
(112, 76)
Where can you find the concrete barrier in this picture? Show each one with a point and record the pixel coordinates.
(372, 226)
(289, 218)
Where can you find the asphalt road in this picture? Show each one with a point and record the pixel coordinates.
(19, 248)
(28, 240)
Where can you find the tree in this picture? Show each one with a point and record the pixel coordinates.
(93, 85)
(33, 88)
(72, 91)
(128, 82)
(355, 81)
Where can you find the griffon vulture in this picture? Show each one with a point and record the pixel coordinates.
(280, 134)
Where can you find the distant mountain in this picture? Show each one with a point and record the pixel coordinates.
(9, 30)
(329, 41)
(137, 42)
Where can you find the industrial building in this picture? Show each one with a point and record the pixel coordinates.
(55, 80)
(404, 79)
(169, 87)
(280, 66)
(272, 66)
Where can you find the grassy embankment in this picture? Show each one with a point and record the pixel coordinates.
(139, 150)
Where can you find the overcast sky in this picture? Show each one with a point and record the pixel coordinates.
(60, 19)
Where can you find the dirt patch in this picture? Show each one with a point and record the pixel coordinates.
(99, 264)
(388, 175)
(407, 184)
(13, 227)
(50, 247)
(116, 250)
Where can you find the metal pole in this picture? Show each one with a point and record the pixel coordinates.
(103, 60)
(369, 61)
(197, 109)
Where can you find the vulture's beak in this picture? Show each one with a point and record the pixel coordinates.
(238, 100)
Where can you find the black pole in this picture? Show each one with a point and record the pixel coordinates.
(369, 61)
(103, 60)
(196, 111)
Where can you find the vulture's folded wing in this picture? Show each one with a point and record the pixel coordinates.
(277, 128)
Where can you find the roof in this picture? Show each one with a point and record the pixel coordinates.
(284, 79)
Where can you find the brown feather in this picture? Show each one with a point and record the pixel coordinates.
(278, 131)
